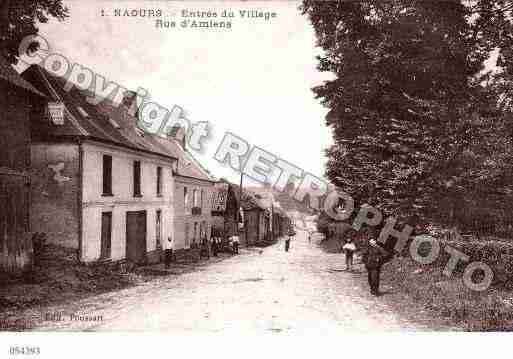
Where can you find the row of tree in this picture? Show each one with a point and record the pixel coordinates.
(420, 104)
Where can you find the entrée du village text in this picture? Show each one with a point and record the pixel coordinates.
(214, 19)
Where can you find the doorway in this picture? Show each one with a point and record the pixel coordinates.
(136, 237)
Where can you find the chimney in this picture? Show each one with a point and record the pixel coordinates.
(129, 98)
(178, 133)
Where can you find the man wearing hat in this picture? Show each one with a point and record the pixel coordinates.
(374, 257)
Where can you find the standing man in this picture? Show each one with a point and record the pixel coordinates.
(214, 242)
(169, 252)
(374, 257)
(290, 235)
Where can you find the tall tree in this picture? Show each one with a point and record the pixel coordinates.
(407, 105)
(19, 18)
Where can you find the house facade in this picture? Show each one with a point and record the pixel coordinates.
(193, 191)
(264, 219)
(19, 102)
(193, 219)
(102, 188)
(255, 218)
(226, 210)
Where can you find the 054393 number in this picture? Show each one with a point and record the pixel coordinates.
(24, 350)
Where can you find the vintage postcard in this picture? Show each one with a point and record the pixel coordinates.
(261, 167)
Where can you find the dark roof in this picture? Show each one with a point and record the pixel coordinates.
(279, 211)
(249, 201)
(10, 75)
(188, 166)
(103, 122)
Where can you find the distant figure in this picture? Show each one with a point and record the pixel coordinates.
(349, 248)
(309, 236)
(204, 251)
(287, 241)
(374, 257)
(215, 246)
(168, 256)
(235, 244)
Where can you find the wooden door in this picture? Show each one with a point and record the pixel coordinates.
(136, 236)
(106, 239)
(15, 242)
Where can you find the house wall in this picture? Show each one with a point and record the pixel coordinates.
(251, 225)
(14, 127)
(55, 189)
(218, 222)
(123, 201)
(263, 228)
(232, 214)
(17, 106)
(184, 219)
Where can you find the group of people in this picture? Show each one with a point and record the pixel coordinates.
(373, 255)
(214, 247)
(217, 244)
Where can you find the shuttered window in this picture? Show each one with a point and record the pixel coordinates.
(159, 181)
(137, 178)
(158, 228)
(107, 175)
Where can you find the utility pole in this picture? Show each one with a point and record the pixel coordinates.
(240, 208)
(272, 220)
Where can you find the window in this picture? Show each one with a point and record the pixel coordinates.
(201, 199)
(203, 230)
(159, 181)
(158, 229)
(56, 112)
(187, 241)
(185, 199)
(106, 231)
(137, 178)
(195, 199)
(107, 175)
(195, 232)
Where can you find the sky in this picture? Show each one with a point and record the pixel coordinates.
(253, 80)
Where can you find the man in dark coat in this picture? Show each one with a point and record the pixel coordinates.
(374, 257)
(291, 233)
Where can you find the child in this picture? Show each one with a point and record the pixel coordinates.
(169, 252)
(235, 243)
(349, 248)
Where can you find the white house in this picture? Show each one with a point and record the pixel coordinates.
(194, 188)
(99, 185)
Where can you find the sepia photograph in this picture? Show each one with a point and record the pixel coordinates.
(246, 169)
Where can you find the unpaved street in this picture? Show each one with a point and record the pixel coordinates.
(259, 290)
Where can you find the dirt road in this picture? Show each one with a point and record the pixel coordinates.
(302, 290)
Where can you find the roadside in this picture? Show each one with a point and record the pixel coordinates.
(60, 279)
(447, 299)
(413, 289)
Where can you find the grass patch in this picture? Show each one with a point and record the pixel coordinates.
(448, 299)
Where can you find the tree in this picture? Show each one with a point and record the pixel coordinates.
(19, 18)
(408, 105)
